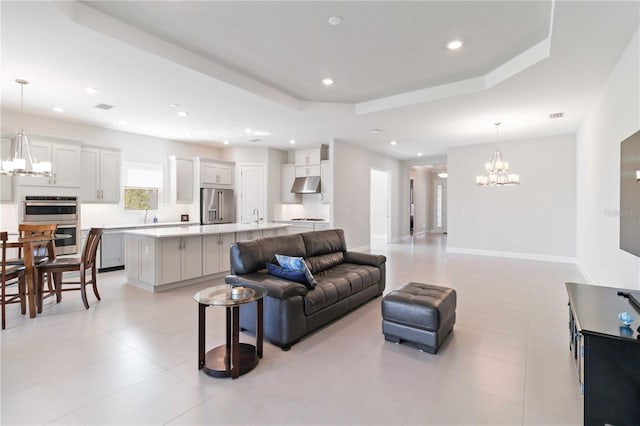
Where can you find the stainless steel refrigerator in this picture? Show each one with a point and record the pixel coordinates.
(216, 206)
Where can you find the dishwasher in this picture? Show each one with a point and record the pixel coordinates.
(111, 251)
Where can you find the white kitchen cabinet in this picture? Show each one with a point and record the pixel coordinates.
(248, 235)
(326, 184)
(64, 159)
(215, 253)
(6, 182)
(216, 174)
(180, 259)
(288, 175)
(100, 172)
(181, 179)
(304, 171)
(306, 157)
(274, 232)
(140, 259)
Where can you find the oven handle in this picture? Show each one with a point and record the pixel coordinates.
(28, 203)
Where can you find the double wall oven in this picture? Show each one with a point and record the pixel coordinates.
(61, 210)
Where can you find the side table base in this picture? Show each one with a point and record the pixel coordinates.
(217, 362)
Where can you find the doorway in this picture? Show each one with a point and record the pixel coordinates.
(252, 193)
(440, 205)
(379, 208)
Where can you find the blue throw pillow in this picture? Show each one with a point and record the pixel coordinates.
(287, 274)
(297, 264)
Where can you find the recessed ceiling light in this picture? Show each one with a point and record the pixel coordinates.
(292, 142)
(257, 132)
(419, 154)
(174, 105)
(443, 175)
(122, 121)
(454, 45)
(375, 131)
(57, 109)
(393, 143)
(226, 142)
(335, 20)
(327, 81)
(91, 90)
(182, 113)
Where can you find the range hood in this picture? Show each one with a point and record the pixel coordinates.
(306, 185)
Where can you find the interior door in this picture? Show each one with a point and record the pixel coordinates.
(252, 193)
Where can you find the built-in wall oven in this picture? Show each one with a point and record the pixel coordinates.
(61, 210)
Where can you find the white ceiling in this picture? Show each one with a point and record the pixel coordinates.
(234, 65)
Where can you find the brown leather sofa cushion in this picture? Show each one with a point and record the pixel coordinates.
(324, 242)
(339, 282)
(324, 261)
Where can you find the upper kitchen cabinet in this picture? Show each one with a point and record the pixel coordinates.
(100, 173)
(308, 157)
(288, 175)
(181, 174)
(216, 173)
(6, 182)
(64, 159)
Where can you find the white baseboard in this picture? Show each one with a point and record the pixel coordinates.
(514, 255)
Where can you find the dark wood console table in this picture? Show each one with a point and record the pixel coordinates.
(607, 354)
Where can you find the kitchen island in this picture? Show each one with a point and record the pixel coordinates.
(159, 259)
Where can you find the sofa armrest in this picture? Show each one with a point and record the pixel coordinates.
(275, 287)
(364, 258)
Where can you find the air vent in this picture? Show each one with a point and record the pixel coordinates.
(255, 140)
(556, 115)
(104, 106)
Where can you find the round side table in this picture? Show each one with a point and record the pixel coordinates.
(232, 359)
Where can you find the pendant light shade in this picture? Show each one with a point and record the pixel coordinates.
(22, 162)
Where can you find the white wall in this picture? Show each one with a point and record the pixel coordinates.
(378, 204)
(534, 220)
(133, 147)
(614, 116)
(423, 200)
(351, 172)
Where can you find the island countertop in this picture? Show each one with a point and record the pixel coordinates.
(189, 230)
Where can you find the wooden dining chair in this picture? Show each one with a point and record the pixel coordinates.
(83, 265)
(43, 246)
(10, 276)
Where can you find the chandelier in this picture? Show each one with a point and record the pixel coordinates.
(497, 171)
(22, 163)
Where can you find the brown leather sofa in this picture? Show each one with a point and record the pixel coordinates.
(345, 280)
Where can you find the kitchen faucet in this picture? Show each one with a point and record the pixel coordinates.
(257, 213)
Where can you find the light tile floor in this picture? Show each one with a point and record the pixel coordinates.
(131, 358)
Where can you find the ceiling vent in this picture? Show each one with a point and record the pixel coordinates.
(104, 106)
(255, 140)
(556, 115)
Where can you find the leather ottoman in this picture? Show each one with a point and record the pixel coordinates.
(420, 313)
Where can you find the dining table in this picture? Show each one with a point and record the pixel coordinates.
(32, 248)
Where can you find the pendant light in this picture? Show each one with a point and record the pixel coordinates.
(22, 163)
(497, 171)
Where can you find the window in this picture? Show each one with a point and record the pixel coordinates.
(140, 199)
(142, 183)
